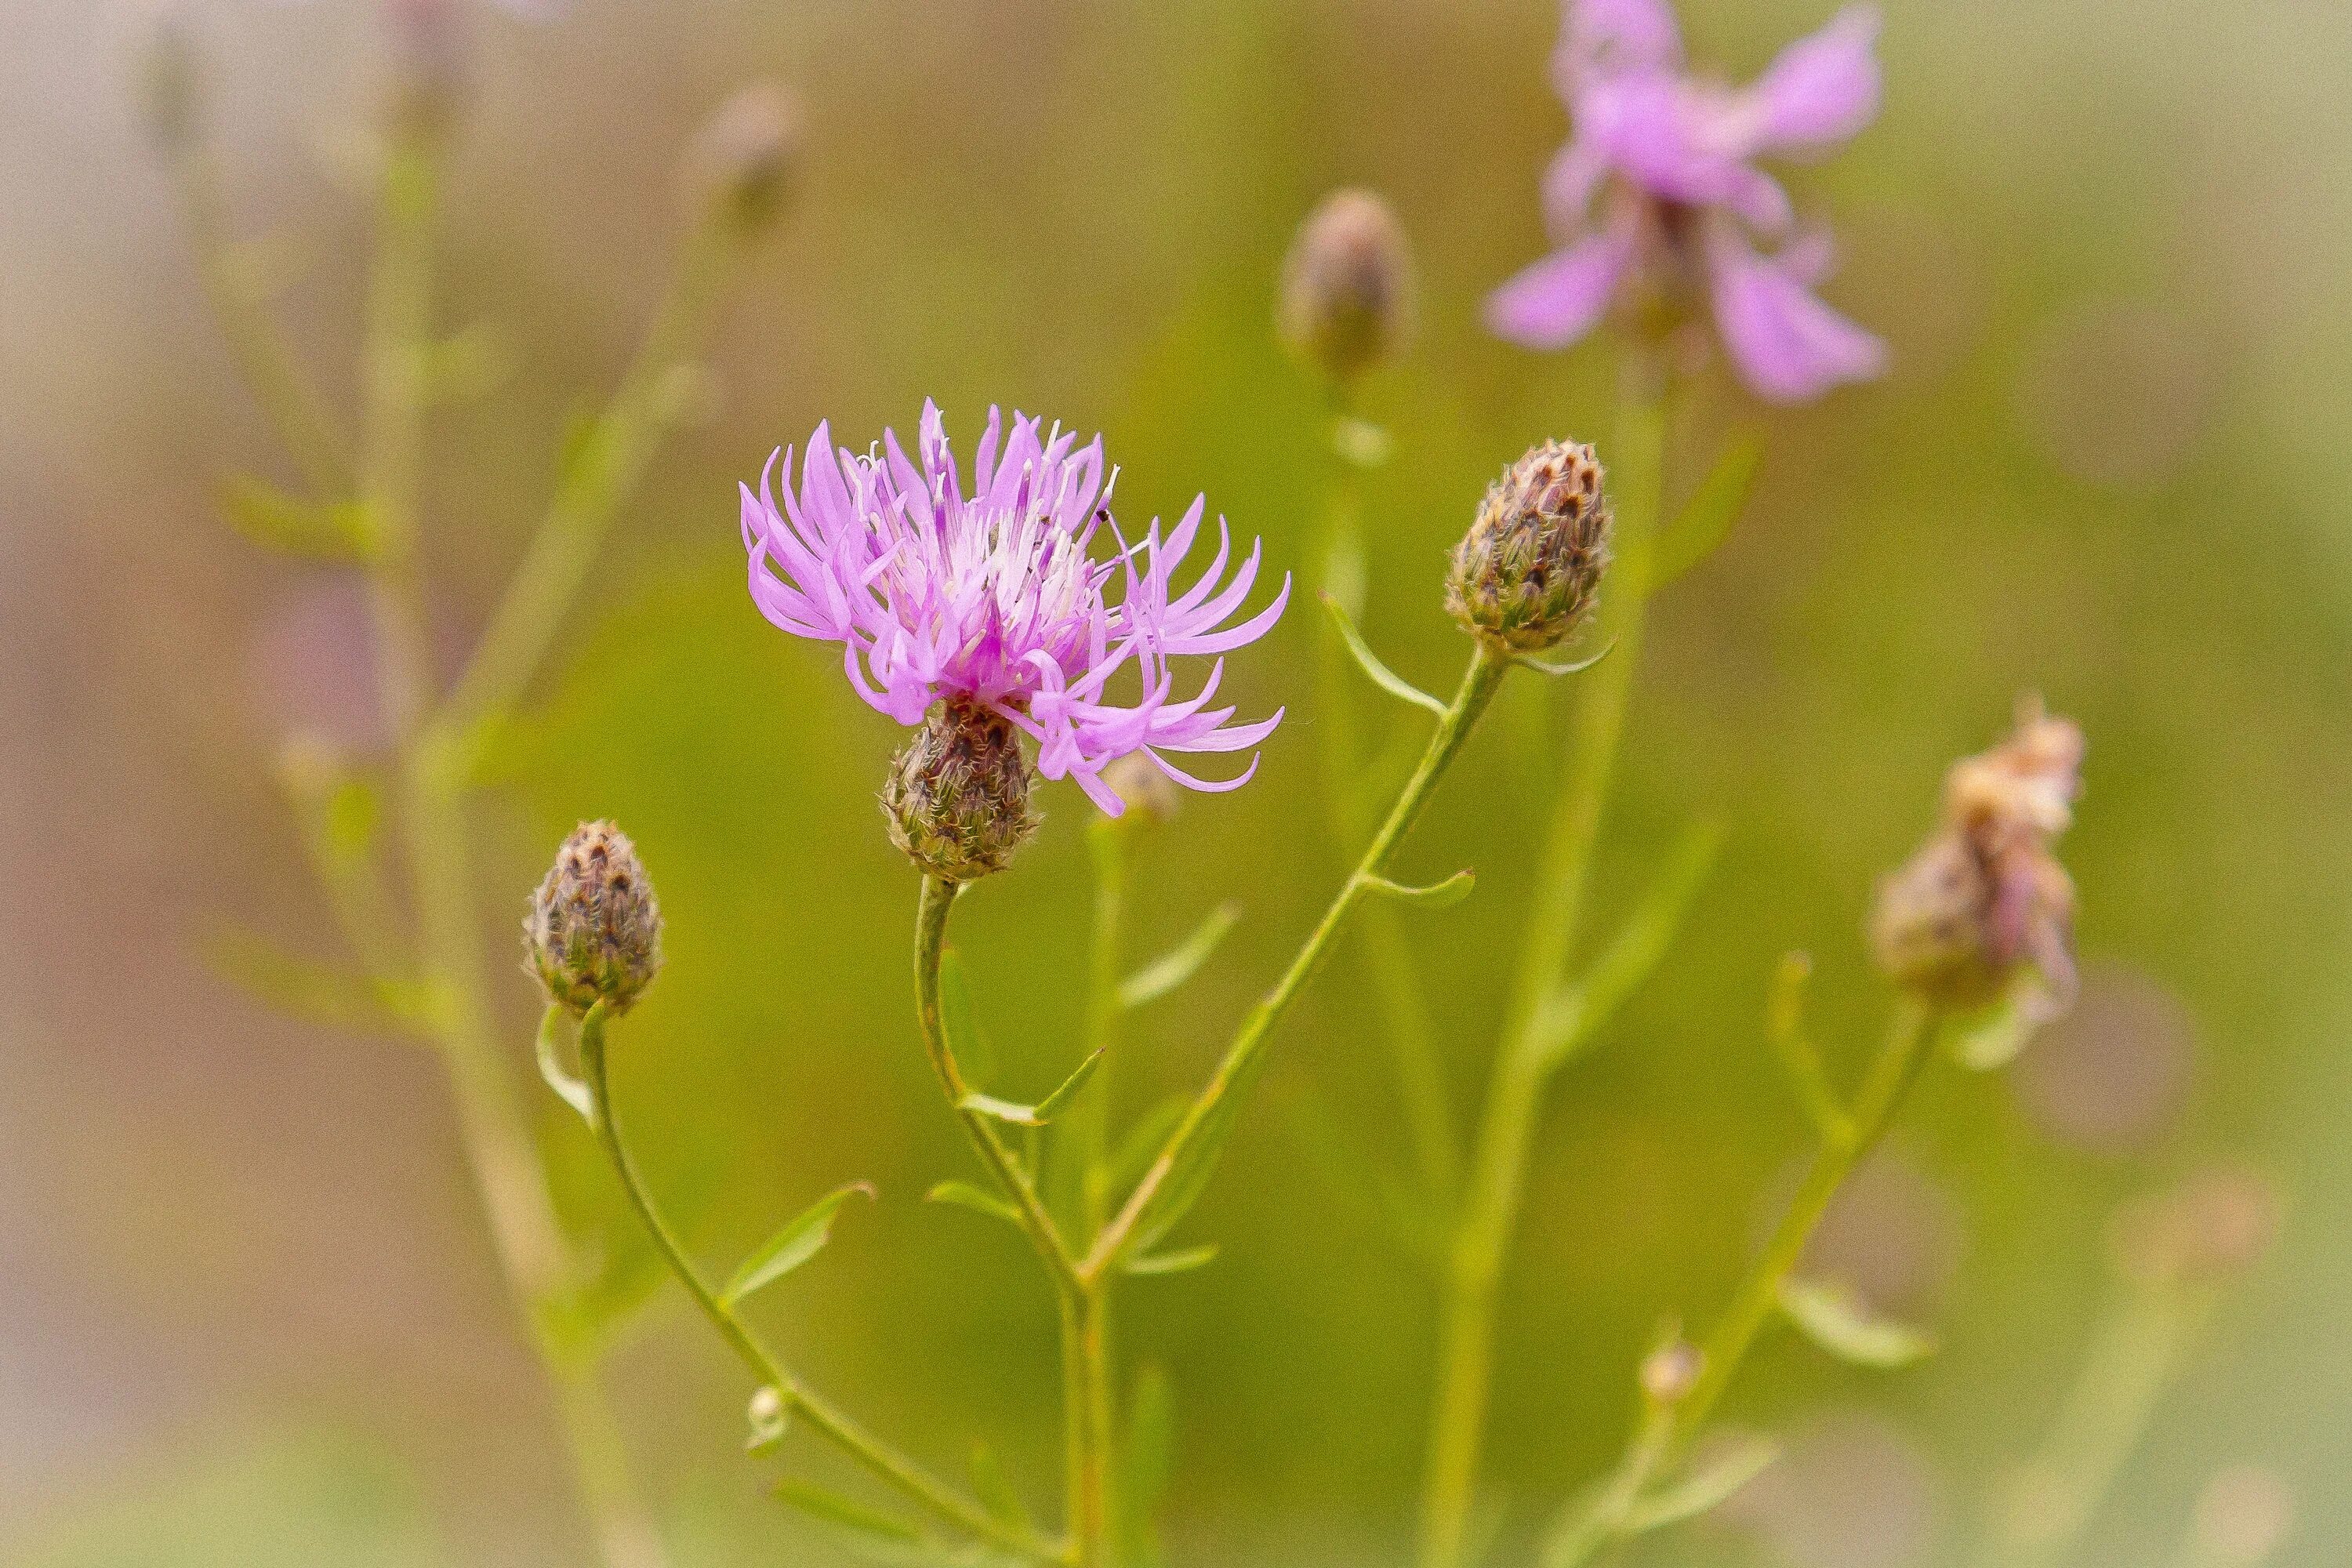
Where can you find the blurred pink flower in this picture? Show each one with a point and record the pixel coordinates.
(993, 597)
(1667, 160)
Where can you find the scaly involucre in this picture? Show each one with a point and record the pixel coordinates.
(996, 596)
(1660, 180)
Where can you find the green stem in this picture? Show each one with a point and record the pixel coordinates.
(1507, 1129)
(1669, 1430)
(1479, 682)
(1385, 954)
(602, 469)
(287, 400)
(885, 1466)
(1086, 1126)
(493, 1124)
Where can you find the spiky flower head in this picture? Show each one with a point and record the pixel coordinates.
(593, 933)
(1529, 571)
(995, 599)
(1984, 900)
(1346, 286)
(957, 798)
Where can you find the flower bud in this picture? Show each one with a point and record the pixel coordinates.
(428, 67)
(1346, 286)
(1529, 571)
(1149, 795)
(594, 930)
(957, 799)
(1671, 1370)
(745, 159)
(1984, 897)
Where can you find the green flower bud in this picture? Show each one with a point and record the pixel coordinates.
(1347, 286)
(593, 933)
(957, 799)
(1529, 571)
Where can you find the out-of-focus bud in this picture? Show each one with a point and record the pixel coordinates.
(745, 159)
(593, 933)
(2216, 1222)
(171, 84)
(768, 1417)
(1529, 571)
(1671, 1370)
(428, 47)
(1985, 897)
(2242, 1517)
(1150, 796)
(1346, 300)
(958, 795)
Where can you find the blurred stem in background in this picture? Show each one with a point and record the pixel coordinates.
(1532, 1047)
(365, 508)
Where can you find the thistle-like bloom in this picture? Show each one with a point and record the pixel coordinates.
(1660, 185)
(994, 600)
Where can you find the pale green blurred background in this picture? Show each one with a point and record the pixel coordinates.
(246, 1314)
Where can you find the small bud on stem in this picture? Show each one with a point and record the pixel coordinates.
(958, 795)
(1347, 286)
(1529, 571)
(594, 930)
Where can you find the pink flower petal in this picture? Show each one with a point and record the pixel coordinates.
(1787, 345)
(1559, 299)
(1820, 90)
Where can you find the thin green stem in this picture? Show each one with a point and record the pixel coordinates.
(287, 400)
(879, 1461)
(1385, 954)
(1086, 1126)
(1669, 1429)
(494, 1126)
(1507, 1129)
(2042, 1514)
(1241, 1059)
(602, 470)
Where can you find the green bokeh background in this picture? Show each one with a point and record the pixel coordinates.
(244, 1312)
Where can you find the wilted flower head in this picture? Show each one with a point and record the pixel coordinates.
(1346, 286)
(1985, 897)
(1529, 571)
(593, 933)
(993, 598)
(1660, 185)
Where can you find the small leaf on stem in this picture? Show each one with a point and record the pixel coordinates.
(964, 1195)
(1711, 1482)
(966, 1041)
(1179, 963)
(1044, 1110)
(328, 531)
(567, 1087)
(1566, 667)
(1572, 1017)
(1785, 1027)
(1706, 518)
(307, 989)
(835, 1509)
(1387, 679)
(1182, 1262)
(1437, 896)
(793, 1246)
(1837, 1320)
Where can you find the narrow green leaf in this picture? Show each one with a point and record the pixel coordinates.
(567, 1087)
(1712, 1480)
(1785, 1027)
(1182, 1262)
(1384, 677)
(1437, 896)
(334, 530)
(994, 1489)
(1195, 1164)
(1573, 1017)
(966, 1041)
(1045, 1109)
(837, 1510)
(1992, 1036)
(1145, 1460)
(305, 988)
(1179, 963)
(1837, 1320)
(964, 1195)
(1566, 667)
(1706, 518)
(794, 1245)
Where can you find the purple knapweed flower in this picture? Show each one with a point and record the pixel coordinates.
(992, 597)
(1660, 179)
